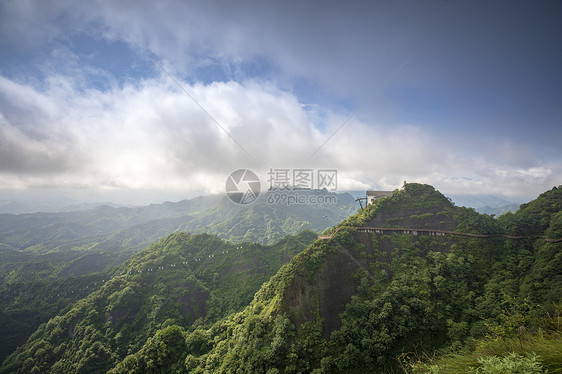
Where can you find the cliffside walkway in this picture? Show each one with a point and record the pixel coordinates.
(432, 232)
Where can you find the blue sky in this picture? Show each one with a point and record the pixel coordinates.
(466, 96)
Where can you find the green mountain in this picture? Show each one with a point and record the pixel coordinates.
(25, 306)
(47, 250)
(406, 279)
(183, 279)
(77, 243)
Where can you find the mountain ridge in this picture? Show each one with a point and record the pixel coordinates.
(116, 233)
(357, 301)
(417, 291)
(181, 279)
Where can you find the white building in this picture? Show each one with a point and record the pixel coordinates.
(375, 195)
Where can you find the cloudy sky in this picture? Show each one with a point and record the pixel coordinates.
(147, 101)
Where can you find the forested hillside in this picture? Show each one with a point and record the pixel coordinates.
(71, 253)
(355, 302)
(77, 243)
(25, 306)
(183, 279)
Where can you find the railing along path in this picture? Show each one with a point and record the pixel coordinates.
(431, 232)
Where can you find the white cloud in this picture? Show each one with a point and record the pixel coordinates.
(152, 136)
(58, 131)
(147, 136)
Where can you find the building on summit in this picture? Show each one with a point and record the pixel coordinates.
(372, 196)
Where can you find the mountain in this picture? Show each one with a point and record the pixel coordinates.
(14, 205)
(25, 306)
(359, 300)
(23, 231)
(183, 279)
(486, 204)
(401, 281)
(38, 250)
(478, 201)
(78, 243)
(497, 211)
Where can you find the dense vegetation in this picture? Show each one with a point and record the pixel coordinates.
(410, 294)
(26, 305)
(43, 252)
(183, 279)
(43, 246)
(356, 303)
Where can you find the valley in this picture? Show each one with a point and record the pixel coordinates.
(367, 296)
(49, 261)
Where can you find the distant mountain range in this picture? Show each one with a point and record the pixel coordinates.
(18, 205)
(361, 300)
(486, 204)
(50, 260)
(75, 243)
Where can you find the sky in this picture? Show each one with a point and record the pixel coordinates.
(141, 102)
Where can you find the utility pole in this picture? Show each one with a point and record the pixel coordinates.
(360, 199)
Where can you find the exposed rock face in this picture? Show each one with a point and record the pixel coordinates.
(325, 295)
